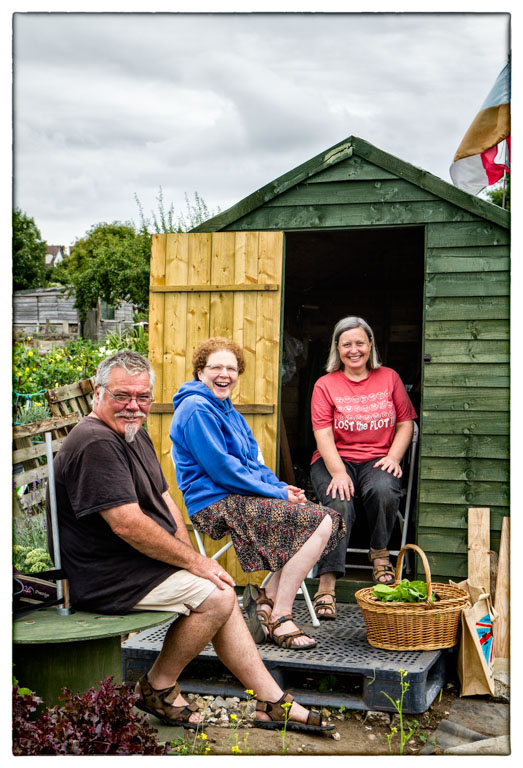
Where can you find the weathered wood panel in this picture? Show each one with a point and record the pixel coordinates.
(467, 284)
(383, 191)
(479, 233)
(467, 329)
(353, 168)
(479, 446)
(451, 516)
(471, 469)
(495, 258)
(466, 375)
(465, 423)
(466, 399)
(355, 215)
(467, 351)
(183, 318)
(485, 494)
(467, 308)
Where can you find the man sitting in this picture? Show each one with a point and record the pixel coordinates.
(125, 547)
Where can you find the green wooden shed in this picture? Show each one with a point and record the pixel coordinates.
(368, 234)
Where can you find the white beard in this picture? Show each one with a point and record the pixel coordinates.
(130, 432)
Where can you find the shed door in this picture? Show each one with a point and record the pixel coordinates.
(216, 284)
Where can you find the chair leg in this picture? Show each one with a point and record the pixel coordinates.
(305, 592)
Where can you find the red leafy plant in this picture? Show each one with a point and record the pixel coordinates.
(100, 721)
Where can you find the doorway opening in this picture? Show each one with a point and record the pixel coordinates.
(376, 274)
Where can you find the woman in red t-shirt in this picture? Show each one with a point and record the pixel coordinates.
(362, 419)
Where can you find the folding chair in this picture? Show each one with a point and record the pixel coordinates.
(302, 590)
(408, 465)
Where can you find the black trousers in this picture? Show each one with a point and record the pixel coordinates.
(380, 495)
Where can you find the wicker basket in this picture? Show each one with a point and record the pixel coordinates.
(423, 626)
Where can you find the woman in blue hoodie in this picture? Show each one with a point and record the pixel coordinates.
(228, 491)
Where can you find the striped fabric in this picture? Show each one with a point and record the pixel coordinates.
(483, 155)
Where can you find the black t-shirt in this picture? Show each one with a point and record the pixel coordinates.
(96, 469)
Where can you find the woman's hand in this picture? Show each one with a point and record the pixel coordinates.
(296, 495)
(341, 484)
(390, 465)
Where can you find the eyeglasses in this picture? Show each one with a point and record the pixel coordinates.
(122, 399)
(217, 368)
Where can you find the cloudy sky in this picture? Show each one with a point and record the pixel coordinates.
(111, 105)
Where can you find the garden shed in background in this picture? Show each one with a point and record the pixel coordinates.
(354, 231)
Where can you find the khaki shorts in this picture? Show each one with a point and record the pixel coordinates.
(182, 592)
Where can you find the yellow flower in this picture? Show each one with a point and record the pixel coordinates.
(236, 750)
(27, 370)
(38, 403)
(78, 367)
(234, 717)
(249, 692)
(202, 736)
(30, 353)
(207, 750)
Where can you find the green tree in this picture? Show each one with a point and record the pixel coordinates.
(29, 251)
(495, 193)
(110, 262)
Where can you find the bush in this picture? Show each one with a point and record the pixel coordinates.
(99, 722)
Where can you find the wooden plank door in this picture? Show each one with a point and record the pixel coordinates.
(216, 284)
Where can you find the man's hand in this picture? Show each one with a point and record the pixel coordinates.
(210, 569)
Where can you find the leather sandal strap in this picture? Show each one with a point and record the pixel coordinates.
(381, 553)
(314, 717)
(274, 708)
(162, 699)
(263, 599)
(277, 622)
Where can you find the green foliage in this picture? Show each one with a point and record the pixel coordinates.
(29, 251)
(495, 193)
(34, 370)
(112, 263)
(31, 533)
(164, 221)
(34, 410)
(31, 560)
(398, 706)
(404, 592)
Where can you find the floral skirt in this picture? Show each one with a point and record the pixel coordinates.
(266, 532)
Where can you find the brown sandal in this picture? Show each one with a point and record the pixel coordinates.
(257, 618)
(154, 700)
(287, 640)
(277, 713)
(330, 605)
(378, 571)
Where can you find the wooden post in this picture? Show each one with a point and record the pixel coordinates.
(502, 602)
(478, 547)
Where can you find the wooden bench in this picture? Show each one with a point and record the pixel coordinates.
(56, 647)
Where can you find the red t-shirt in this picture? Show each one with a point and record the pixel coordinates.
(362, 414)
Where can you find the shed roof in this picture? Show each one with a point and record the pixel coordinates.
(350, 147)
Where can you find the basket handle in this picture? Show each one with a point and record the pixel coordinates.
(426, 566)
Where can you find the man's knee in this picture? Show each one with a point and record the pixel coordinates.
(220, 601)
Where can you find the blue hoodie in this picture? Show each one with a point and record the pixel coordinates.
(214, 451)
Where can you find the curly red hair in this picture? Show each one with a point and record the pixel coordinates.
(216, 344)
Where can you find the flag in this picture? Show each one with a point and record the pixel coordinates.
(484, 154)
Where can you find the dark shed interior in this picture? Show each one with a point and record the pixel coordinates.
(376, 274)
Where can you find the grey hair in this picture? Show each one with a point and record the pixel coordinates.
(348, 324)
(131, 362)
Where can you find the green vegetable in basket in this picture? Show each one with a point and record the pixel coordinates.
(404, 592)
